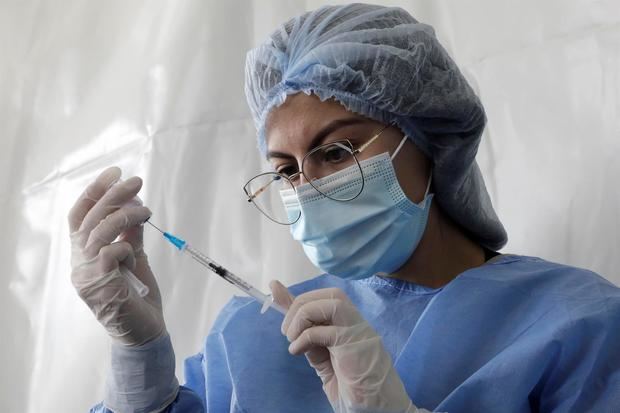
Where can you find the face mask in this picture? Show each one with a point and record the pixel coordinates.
(375, 232)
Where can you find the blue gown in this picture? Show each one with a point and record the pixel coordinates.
(518, 334)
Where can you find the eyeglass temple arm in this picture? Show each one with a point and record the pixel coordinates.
(264, 187)
(371, 140)
(259, 191)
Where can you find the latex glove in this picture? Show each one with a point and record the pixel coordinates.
(347, 354)
(107, 252)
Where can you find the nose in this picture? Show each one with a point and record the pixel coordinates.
(311, 171)
(299, 178)
(302, 180)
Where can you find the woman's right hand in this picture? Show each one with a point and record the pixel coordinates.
(106, 225)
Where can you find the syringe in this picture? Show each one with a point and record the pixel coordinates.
(182, 245)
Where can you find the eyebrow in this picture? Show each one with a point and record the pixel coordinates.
(321, 135)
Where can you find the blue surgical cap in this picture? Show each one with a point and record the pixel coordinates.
(381, 63)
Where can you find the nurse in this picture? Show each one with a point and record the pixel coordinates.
(372, 132)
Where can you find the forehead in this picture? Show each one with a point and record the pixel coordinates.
(299, 118)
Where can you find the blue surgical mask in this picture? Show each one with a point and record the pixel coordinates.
(375, 232)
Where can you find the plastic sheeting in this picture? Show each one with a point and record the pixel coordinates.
(156, 87)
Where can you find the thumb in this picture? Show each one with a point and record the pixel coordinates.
(280, 293)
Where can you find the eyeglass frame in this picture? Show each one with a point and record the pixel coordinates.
(353, 152)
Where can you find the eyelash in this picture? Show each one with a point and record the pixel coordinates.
(354, 143)
(283, 168)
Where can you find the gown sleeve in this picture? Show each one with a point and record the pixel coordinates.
(587, 374)
(142, 380)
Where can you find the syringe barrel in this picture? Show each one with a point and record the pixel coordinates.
(199, 257)
(218, 269)
(232, 278)
(257, 294)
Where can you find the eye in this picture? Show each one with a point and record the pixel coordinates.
(286, 170)
(335, 153)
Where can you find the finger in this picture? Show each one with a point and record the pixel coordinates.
(302, 299)
(319, 358)
(134, 236)
(135, 201)
(317, 336)
(312, 313)
(109, 259)
(281, 294)
(122, 221)
(113, 199)
(142, 271)
(112, 226)
(91, 195)
(113, 255)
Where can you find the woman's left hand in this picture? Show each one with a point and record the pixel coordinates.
(347, 354)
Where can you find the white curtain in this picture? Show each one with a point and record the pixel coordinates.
(156, 87)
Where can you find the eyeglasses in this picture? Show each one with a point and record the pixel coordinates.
(265, 190)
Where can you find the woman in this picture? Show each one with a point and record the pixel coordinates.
(372, 132)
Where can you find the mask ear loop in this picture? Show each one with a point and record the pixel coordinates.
(400, 145)
(428, 186)
(430, 178)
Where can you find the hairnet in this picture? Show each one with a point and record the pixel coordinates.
(381, 63)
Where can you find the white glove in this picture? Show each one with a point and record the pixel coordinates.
(347, 354)
(104, 270)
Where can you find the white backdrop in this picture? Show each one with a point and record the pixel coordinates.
(156, 87)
